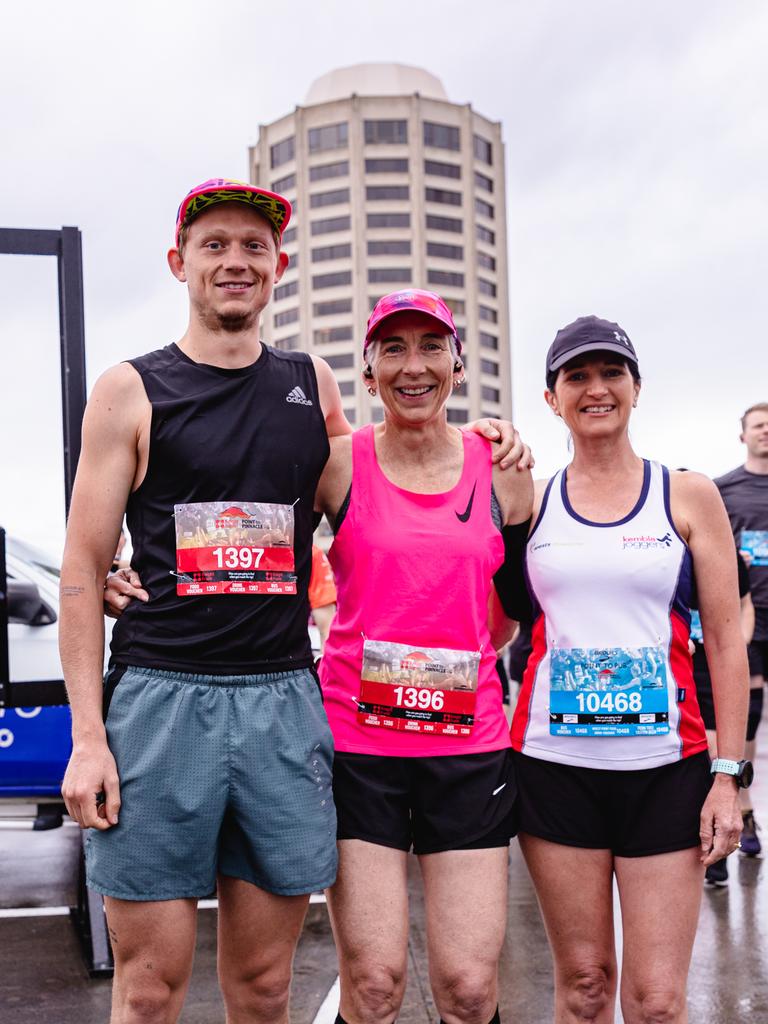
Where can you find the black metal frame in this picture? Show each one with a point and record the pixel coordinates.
(66, 246)
(88, 917)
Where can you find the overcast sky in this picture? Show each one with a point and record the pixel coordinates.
(637, 163)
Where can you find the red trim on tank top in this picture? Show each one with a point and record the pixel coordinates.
(522, 714)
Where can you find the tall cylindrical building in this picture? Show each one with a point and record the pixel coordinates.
(393, 186)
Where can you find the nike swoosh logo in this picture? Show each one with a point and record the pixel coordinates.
(464, 516)
(499, 789)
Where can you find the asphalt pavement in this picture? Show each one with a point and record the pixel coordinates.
(43, 979)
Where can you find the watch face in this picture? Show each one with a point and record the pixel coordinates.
(746, 774)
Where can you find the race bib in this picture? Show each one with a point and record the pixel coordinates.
(613, 691)
(234, 548)
(696, 633)
(418, 689)
(755, 542)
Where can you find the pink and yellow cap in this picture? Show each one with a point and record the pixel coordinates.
(411, 299)
(275, 208)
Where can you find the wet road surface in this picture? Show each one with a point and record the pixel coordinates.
(43, 979)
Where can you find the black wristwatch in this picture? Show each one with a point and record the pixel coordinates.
(742, 771)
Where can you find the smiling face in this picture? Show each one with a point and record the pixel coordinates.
(755, 433)
(413, 365)
(230, 264)
(594, 394)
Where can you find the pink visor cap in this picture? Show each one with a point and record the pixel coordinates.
(411, 299)
(275, 208)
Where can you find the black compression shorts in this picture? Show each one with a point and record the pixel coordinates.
(433, 804)
(635, 813)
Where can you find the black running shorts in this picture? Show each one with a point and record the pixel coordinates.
(632, 813)
(430, 804)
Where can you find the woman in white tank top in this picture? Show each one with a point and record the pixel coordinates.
(611, 752)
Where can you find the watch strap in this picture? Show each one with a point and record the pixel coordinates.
(722, 764)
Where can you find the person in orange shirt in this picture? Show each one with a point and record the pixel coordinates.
(322, 593)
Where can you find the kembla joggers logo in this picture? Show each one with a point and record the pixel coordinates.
(644, 541)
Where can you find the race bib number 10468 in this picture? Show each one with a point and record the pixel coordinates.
(234, 548)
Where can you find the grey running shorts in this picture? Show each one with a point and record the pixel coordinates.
(218, 774)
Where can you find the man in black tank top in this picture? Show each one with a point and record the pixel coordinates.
(205, 761)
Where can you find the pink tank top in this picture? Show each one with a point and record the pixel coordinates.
(408, 668)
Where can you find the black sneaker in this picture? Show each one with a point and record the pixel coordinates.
(750, 844)
(717, 873)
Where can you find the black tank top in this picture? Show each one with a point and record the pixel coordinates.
(255, 434)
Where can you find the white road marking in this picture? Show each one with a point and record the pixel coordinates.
(330, 1006)
(316, 897)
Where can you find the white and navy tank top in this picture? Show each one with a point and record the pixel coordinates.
(609, 683)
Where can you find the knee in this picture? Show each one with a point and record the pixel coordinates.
(146, 1004)
(658, 1006)
(376, 991)
(468, 996)
(257, 993)
(588, 989)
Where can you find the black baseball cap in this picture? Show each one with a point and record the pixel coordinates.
(588, 334)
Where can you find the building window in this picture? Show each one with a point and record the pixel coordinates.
(331, 252)
(444, 224)
(488, 366)
(457, 415)
(484, 260)
(351, 415)
(489, 341)
(457, 306)
(488, 314)
(289, 236)
(377, 414)
(389, 247)
(322, 171)
(442, 195)
(462, 334)
(378, 192)
(484, 209)
(289, 344)
(441, 170)
(338, 195)
(330, 136)
(282, 185)
(482, 149)
(341, 361)
(388, 220)
(386, 165)
(441, 136)
(448, 277)
(283, 291)
(396, 275)
(290, 316)
(445, 252)
(326, 335)
(484, 235)
(486, 287)
(483, 181)
(386, 132)
(330, 224)
(347, 387)
(330, 308)
(340, 277)
(489, 394)
(282, 151)
(293, 260)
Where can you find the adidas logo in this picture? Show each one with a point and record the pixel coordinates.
(298, 397)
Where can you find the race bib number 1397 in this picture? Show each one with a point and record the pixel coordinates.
(234, 548)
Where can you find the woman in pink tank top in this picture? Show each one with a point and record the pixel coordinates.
(408, 674)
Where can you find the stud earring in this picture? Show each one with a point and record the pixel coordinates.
(459, 381)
